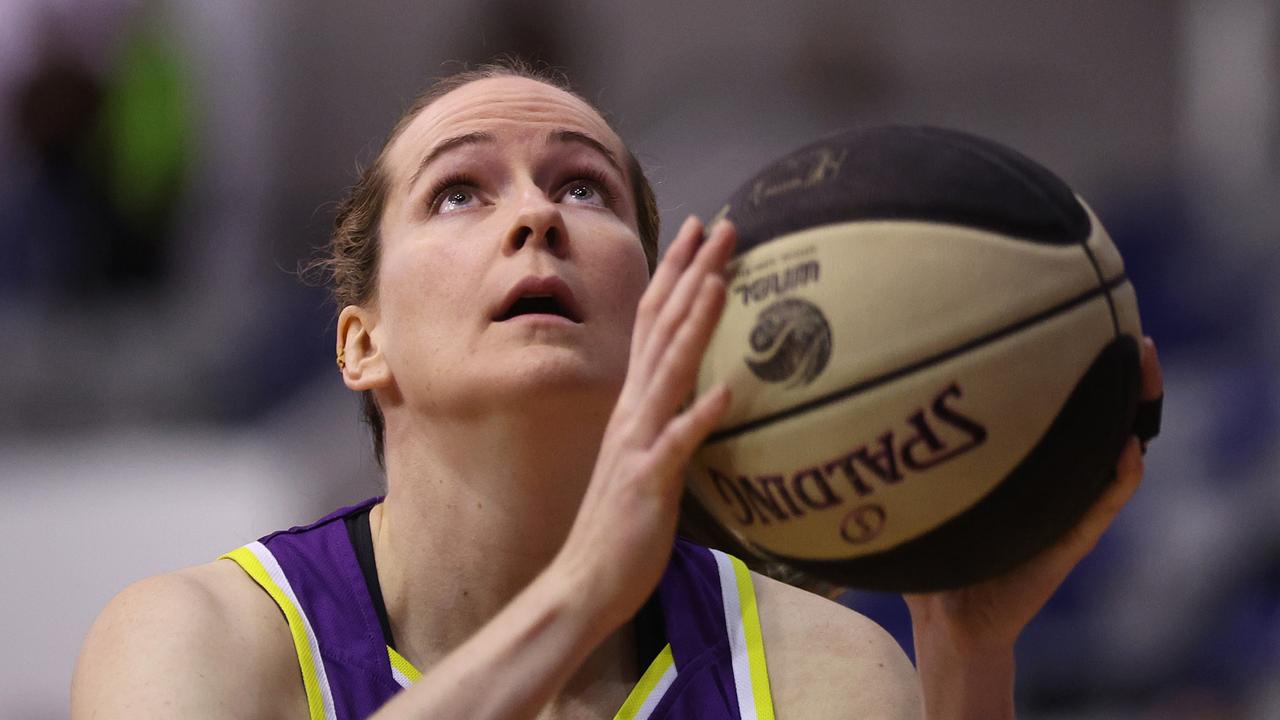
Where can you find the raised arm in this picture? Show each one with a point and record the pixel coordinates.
(964, 638)
(621, 539)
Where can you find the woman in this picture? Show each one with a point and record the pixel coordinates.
(526, 378)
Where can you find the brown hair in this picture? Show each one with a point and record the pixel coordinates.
(351, 264)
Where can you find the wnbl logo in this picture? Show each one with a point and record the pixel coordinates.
(791, 341)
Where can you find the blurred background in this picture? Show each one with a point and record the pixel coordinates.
(169, 390)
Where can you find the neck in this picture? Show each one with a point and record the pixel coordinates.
(476, 507)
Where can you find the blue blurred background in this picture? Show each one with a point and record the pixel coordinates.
(168, 385)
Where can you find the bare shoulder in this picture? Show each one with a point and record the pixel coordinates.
(828, 661)
(201, 642)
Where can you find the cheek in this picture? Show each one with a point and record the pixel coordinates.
(626, 277)
(420, 300)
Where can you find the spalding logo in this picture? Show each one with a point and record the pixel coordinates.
(792, 342)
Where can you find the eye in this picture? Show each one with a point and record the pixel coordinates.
(590, 187)
(583, 192)
(452, 194)
(455, 199)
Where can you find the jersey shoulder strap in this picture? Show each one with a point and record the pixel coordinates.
(312, 574)
(714, 665)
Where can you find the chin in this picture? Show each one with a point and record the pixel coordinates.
(549, 373)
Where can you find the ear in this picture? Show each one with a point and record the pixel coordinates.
(361, 361)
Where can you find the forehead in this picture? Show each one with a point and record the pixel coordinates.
(511, 107)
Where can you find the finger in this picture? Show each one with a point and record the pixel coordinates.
(677, 258)
(1152, 374)
(711, 258)
(677, 370)
(687, 431)
(1082, 539)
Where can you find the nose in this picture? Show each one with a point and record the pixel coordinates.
(537, 223)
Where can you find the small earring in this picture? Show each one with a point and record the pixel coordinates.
(342, 360)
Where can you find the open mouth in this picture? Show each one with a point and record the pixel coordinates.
(537, 305)
(534, 296)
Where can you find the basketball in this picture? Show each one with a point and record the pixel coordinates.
(933, 351)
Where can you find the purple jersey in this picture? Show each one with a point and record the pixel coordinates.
(712, 666)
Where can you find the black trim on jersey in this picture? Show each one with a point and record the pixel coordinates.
(649, 628)
(362, 542)
(649, 625)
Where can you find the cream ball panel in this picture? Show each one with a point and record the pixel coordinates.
(892, 293)
(1013, 387)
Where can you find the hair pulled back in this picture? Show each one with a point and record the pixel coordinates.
(350, 265)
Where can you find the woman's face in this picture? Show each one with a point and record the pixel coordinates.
(511, 263)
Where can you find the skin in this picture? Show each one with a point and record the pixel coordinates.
(555, 449)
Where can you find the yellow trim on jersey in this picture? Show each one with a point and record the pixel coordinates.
(640, 703)
(647, 691)
(755, 641)
(298, 626)
(404, 667)
(650, 689)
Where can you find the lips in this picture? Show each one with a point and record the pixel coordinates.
(539, 296)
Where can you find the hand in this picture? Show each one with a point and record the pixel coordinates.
(989, 616)
(622, 536)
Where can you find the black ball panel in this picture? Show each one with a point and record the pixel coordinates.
(908, 173)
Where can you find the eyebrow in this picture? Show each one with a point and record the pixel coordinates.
(453, 143)
(475, 138)
(573, 136)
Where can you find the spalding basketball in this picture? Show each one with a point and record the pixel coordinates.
(934, 356)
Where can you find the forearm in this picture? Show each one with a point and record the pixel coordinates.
(962, 682)
(516, 663)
